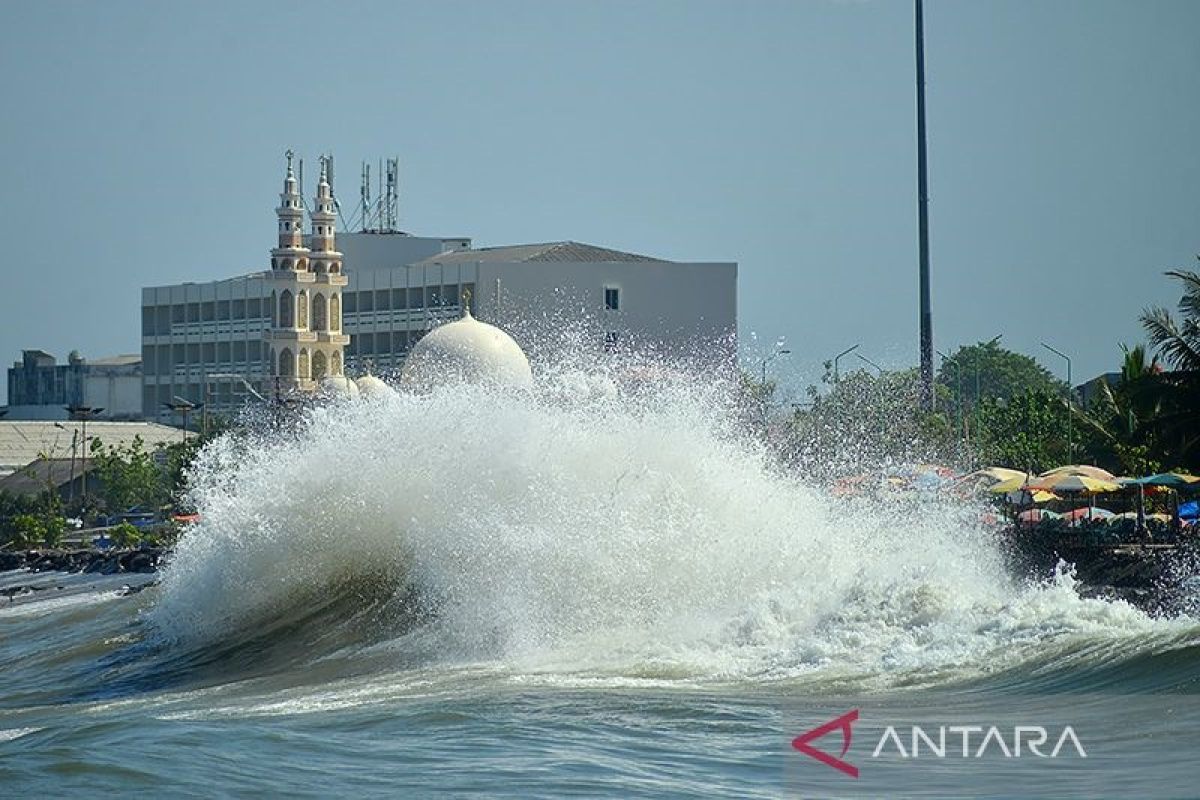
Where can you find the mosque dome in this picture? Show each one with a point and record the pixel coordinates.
(466, 351)
(337, 386)
(370, 386)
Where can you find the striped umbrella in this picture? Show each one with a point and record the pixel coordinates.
(1073, 484)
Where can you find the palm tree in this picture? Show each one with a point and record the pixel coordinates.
(1178, 342)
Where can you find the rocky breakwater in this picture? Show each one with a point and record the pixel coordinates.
(100, 562)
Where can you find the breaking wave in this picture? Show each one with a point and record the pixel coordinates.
(585, 533)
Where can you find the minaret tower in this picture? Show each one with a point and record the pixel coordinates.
(291, 340)
(325, 263)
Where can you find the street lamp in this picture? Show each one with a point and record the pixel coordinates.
(183, 407)
(978, 358)
(957, 383)
(863, 358)
(763, 386)
(771, 358)
(74, 453)
(83, 414)
(227, 376)
(1070, 391)
(837, 358)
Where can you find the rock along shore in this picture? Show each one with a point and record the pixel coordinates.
(100, 562)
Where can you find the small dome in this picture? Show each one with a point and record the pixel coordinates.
(337, 386)
(370, 386)
(466, 351)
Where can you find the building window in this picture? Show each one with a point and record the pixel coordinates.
(612, 298)
(610, 341)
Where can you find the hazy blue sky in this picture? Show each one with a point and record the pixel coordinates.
(142, 144)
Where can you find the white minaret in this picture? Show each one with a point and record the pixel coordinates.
(290, 338)
(325, 262)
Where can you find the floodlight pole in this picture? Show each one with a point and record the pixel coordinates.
(1070, 391)
(927, 396)
(83, 413)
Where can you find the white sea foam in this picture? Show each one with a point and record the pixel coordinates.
(584, 531)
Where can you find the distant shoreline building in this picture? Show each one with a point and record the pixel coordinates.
(39, 388)
(362, 303)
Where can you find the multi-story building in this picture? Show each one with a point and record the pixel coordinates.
(41, 388)
(322, 309)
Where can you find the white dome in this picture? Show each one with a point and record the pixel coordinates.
(370, 386)
(466, 351)
(337, 386)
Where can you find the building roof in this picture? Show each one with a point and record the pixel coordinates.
(25, 441)
(116, 361)
(34, 477)
(563, 252)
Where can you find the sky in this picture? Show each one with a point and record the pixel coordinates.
(143, 145)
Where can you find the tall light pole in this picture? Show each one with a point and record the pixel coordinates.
(83, 414)
(771, 358)
(978, 358)
(766, 361)
(923, 223)
(183, 407)
(1070, 391)
(958, 385)
(837, 358)
(866, 360)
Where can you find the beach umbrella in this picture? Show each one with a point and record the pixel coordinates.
(1073, 484)
(989, 476)
(1174, 480)
(1014, 484)
(1021, 497)
(1081, 470)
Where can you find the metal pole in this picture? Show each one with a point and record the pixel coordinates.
(1070, 391)
(837, 358)
(927, 397)
(763, 385)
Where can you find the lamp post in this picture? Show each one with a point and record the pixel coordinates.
(958, 384)
(766, 361)
(837, 358)
(183, 407)
(227, 376)
(1070, 391)
(866, 360)
(74, 451)
(882, 426)
(83, 414)
(978, 358)
(771, 358)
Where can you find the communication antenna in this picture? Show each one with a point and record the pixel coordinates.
(364, 198)
(392, 200)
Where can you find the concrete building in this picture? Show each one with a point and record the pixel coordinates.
(41, 388)
(381, 291)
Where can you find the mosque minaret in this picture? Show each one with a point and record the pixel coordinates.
(306, 337)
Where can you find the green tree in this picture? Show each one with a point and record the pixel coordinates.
(129, 475)
(987, 370)
(125, 535)
(1023, 431)
(867, 422)
(1118, 428)
(1177, 341)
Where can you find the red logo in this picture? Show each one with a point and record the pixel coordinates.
(843, 724)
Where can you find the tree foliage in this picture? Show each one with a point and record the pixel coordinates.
(987, 370)
(129, 475)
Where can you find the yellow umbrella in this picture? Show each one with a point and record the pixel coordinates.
(1070, 484)
(1013, 484)
(1081, 470)
(992, 475)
